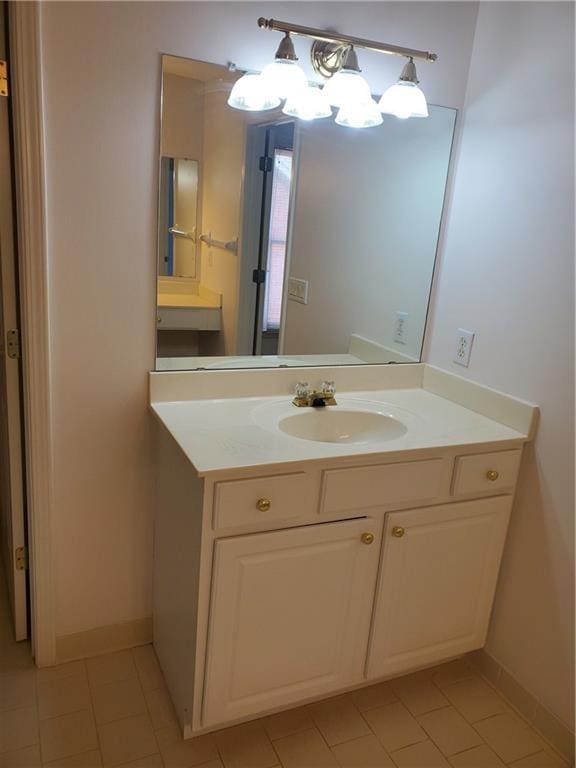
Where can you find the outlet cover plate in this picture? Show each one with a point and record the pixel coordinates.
(298, 290)
(464, 341)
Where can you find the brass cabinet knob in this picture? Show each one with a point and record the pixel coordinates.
(158, 319)
(398, 531)
(492, 474)
(367, 538)
(263, 505)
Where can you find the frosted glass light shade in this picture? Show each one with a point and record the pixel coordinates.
(404, 99)
(252, 94)
(345, 87)
(359, 114)
(284, 77)
(308, 103)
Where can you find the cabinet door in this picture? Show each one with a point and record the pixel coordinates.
(436, 585)
(289, 616)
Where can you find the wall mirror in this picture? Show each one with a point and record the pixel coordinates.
(283, 242)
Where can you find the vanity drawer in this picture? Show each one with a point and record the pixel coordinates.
(263, 499)
(484, 472)
(383, 485)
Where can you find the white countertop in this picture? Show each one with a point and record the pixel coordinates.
(231, 433)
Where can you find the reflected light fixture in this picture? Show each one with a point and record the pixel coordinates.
(283, 75)
(404, 99)
(347, 86)
(308, 103)
(252, 93)
(359, 114)
(334, 57)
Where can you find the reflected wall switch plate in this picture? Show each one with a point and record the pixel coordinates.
(400, 324)
(298, 290)
(464, 341)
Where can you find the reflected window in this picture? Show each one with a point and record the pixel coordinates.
(277, 236)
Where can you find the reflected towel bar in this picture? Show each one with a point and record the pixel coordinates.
(231, 245)
(190, 235)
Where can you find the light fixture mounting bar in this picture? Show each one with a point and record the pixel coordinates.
(335, 37)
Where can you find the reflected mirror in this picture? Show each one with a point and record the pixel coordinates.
(290, 243)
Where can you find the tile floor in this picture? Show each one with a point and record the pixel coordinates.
(114, 710)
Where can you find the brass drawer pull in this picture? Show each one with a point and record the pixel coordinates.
(492, 475)
(263, 505)
(398, 532)
(367, 538)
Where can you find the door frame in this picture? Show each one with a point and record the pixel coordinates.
(24, 24)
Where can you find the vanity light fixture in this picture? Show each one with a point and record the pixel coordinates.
(309, 103)
(283, 75)
(347, 86)
(334, 57)
(405, 99)
(361, 114)
(252, 93)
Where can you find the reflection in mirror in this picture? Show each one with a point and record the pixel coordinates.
(291, 243)
(177, 216)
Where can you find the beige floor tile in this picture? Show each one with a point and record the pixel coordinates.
(304, 750)
(148, 667)
(28, 757)
(287, 723)
(338, 720)
(15, 657)
(114, 701)
(60, 697)
(18, 728)
(178, 753)
(152, 761)
(509, 737)
(110, 668)
(394, 726)
(67, 735)
(127, 740)
(212, 764)
(452, 672)
(365, 752)
(475, 699)
(479, 757)
(544, 759)
(449, 730)
(91, 759)
(423, 755)
(62, 671)
(373, 697)
(160, 708)
(18, 690)
(245, 746)
(419, 694)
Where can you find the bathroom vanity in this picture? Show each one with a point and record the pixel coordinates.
(300, 553)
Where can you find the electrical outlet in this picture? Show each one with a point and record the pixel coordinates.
(464, 341)
(298, 290)
(400, 330)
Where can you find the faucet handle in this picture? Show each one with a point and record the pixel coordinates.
(302, 389)
(328, 388)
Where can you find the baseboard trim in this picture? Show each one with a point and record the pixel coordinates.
(528, 706)
(94, 642)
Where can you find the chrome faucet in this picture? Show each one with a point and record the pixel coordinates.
(315, 398)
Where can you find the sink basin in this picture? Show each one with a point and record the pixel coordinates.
(336, 425)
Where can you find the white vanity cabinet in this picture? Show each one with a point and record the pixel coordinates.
(436, 585)
(290, 614)
(320, 579)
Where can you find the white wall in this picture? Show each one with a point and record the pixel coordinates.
(364, 231)
(101, 66)
(507, 273)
